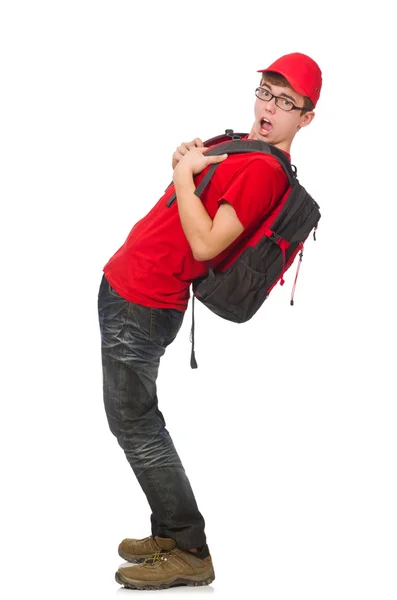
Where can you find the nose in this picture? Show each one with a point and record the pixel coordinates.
(270, 106)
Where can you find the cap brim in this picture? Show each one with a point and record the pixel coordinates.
(295, 86)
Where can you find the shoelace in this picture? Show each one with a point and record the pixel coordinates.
(157, 557)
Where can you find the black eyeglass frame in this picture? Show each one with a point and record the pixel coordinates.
(294, 107)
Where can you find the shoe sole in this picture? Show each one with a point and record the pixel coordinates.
(190, 582)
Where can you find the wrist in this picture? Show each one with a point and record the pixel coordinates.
(183, 177)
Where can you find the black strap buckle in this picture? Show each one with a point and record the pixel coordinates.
(275, 237)
(233, 135)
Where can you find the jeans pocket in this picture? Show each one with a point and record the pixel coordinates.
(174, 324)
(113, 292)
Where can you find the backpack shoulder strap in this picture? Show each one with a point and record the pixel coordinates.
(241, 147)
(238, 146)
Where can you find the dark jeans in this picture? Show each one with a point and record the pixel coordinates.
(134, 338)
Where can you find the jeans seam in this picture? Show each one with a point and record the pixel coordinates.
(130, 310)
(152, 324)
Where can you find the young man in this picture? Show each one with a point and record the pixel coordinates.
(143, 297)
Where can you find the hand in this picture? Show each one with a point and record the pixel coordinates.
(195, 161)
(183, 148)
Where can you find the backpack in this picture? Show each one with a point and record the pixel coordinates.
(237, 292)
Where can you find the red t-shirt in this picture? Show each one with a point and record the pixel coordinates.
(155, 265)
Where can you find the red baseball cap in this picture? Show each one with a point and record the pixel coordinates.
(301, 72)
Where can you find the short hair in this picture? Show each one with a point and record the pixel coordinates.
(277, 79)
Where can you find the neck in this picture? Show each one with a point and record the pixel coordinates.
(284, 145)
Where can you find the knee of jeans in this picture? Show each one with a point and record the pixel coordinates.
(152, 453)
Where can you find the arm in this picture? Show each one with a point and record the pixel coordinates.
(206, 238)
(237, 211)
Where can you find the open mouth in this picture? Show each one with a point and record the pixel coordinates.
(266, 126)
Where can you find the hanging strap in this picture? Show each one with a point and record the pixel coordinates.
(297, 273)
(193, 362)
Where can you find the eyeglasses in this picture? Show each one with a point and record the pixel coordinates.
(281, 102)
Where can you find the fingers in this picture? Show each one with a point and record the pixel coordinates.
(215, 158)
(184, 148)
(211, 159)
(198, 142)
(176, 157)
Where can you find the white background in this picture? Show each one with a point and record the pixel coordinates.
(287, 429)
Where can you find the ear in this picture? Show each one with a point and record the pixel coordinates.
(306, 118)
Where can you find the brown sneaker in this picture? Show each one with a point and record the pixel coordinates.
(136, 551)
(168, 568)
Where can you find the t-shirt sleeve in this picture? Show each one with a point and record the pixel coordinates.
(251, 191)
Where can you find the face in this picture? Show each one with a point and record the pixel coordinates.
(281, 126)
